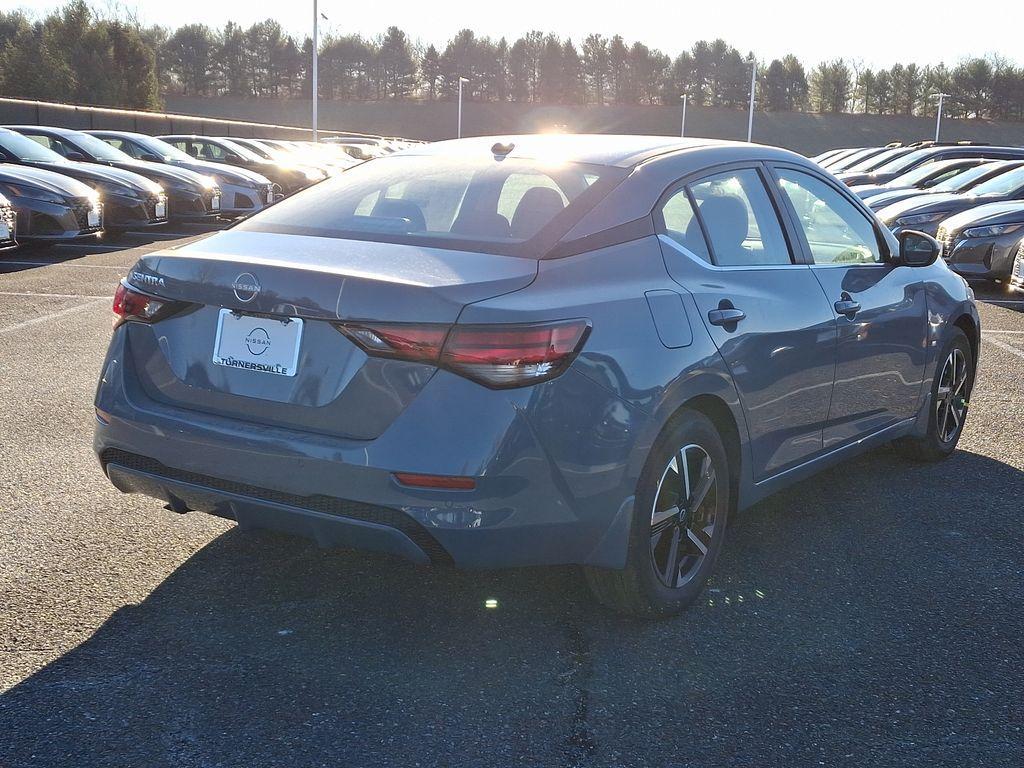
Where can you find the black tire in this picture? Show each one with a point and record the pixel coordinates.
(941, 439)
(639, 589)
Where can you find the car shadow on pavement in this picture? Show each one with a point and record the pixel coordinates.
(263, 650)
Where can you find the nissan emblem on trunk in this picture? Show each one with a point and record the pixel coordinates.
(246, 287)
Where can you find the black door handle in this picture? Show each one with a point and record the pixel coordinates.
(729, 316)
(847, 306)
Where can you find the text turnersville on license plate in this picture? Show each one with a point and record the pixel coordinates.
(259, 344)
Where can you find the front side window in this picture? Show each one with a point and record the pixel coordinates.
(486, 204)
(740, 220)
(836, 232)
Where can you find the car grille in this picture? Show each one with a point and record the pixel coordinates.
(355, 510)
(81, 208)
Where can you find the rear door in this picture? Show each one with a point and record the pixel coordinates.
(881, 308)
(723, 241)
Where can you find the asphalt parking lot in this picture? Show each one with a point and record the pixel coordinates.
(870, 616)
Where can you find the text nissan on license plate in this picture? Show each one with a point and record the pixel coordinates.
(258, 344)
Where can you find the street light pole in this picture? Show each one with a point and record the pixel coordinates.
(461, 81)
(316, 45)
(753, 84)
(938, 114)
(682, 125)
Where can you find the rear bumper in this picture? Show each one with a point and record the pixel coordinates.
(537, 501)
(392, 532)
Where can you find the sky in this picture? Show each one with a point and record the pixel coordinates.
(874, 32)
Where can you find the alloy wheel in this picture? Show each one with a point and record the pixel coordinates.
(684, 516)
(951, 398)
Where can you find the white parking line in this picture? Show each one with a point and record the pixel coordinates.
(1005, 347)
(29, 294)
(1002, 301)
(59, 264)
(987, 331)
(96, 247)
(51, 316)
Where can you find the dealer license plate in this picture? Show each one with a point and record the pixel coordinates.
(258, 344)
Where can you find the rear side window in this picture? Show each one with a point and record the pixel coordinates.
(740, 220)
(486, 204)
(682, 225)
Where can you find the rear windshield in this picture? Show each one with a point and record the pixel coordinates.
(506, 206)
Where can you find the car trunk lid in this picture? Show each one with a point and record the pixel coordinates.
(335, 388)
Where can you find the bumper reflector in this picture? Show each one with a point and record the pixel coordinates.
(438, 482)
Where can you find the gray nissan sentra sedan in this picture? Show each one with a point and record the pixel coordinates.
(535, 350)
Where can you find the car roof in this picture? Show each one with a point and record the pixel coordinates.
(622, 151)
(44, 129)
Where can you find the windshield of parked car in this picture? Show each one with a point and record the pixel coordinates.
(923, 173)
(871, 163)
(243, 152)
(485, 204)
(964, 180)
(98, 148)
(255, 148)
(1003, 184)
(161, 148)
(903, 162)
(23, 148)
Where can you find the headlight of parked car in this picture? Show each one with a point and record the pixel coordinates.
(994, 231)
(33, 193)
(921, 218)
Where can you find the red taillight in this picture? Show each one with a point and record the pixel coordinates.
(497, 356)
(132, 305)
(421, 343)
(513, 355)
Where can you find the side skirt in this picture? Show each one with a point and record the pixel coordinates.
(777, 482)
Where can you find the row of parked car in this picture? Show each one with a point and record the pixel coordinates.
(58, 184)
(968, 196)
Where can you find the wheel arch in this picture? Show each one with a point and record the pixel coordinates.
(721, 416)
(970, 328)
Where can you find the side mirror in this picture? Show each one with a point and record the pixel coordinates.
(918, 249)
(151, 158)
(76, 157)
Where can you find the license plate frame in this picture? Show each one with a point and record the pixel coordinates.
(253, 349)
